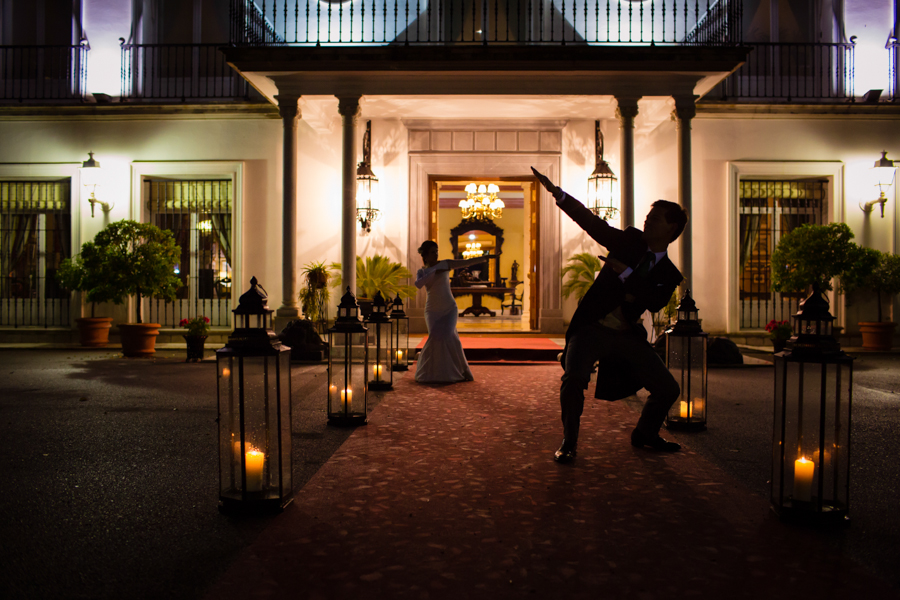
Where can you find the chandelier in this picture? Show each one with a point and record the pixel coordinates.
(481, 203)
(473, 250)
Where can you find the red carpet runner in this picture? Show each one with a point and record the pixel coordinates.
(511, 348)
(450, 492)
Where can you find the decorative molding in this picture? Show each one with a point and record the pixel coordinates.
(470, 141)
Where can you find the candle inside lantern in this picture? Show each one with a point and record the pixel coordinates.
(377, 370)
(347, 396)
(697, 406)
(399, 356)
(803, 478)
(255, 460)
(226, 372)
(686, 410)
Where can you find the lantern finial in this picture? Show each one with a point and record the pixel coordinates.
(253, 301)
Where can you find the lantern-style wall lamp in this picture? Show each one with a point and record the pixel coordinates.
(884, 174)
(90, 179)
(602, 199)
(254, 399)
(348, 366)
(686, 358)
(813, 402)
(399, 336)
(366, 185)
(381, 377)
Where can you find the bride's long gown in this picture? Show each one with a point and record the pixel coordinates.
(442, 359)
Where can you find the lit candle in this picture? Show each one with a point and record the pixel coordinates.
(226, 372)
(686, 410)
(377, 370)
(347, 396)
(255, 460)
(803, 478)
(399, 356)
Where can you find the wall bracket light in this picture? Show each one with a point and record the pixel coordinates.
(884, 172)
(90, 179)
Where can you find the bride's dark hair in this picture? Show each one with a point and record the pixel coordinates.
(426, 247)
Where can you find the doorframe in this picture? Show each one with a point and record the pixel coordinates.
(532, 221)
(490, 165)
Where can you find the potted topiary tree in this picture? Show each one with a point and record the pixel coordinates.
(125, 259)
(73, 276)
(810, 256)
(874, 271)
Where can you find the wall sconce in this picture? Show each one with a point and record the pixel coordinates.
(601, 197)
(90, 179)
(366, 185)
(884, 172)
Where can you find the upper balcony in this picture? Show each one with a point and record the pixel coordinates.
(42, 73)
(486, 22)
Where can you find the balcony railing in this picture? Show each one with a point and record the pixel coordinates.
(788, 72)
(42, 72)
(444, 22)
(893, 48)
(179, 72)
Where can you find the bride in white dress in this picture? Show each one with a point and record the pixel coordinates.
(442, 359)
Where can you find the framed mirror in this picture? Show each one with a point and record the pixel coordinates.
(484, 236)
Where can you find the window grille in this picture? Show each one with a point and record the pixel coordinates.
(35, 237)
(770, 209)
(198, 213)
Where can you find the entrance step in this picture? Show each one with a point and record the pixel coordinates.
(509, 348)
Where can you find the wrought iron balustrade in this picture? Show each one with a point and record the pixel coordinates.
(444, 22)
(791, 71)
(42, 72)
(179, 72)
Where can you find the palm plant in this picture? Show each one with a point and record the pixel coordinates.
(581, 269)
(378, 274)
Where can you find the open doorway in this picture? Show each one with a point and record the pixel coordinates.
(501, 295)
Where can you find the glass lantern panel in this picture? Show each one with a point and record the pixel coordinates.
(687, 361)
(259, 406)
(810, 458)
(347, 364)
(229, 454)
(284, 421)
(380, 372)
(400, 343)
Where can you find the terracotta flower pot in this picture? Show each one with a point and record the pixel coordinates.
(94, 331)
(877, 336)
(139, 339)
(195, 345)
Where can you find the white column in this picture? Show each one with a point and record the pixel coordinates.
(348, 107)
(289, 309)
(627, 111)
(685, 110)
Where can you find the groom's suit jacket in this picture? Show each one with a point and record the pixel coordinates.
(651, 292)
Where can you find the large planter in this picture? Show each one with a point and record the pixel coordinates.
(195, 344)
(139, 339)
(94, 331)
(877, 336)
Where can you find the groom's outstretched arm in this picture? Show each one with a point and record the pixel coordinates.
(602, 233)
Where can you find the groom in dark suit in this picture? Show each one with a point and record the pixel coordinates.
(606, 327)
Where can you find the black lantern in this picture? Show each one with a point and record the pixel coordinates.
(348, 365)
(813, 401)
(686, 359)
(602, 183)
(254, 395)
(399, 336)
(381, 377)
(366, 185)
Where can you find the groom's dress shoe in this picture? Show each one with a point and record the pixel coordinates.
(565, 454)
(639, 440)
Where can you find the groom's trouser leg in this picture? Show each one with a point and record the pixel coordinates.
(655, 377)
(582, 350)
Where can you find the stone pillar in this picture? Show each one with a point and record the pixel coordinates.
(627, 111)
(290, 279)
(348, 107)
(685, 110)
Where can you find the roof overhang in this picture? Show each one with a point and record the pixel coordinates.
(621, 71)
